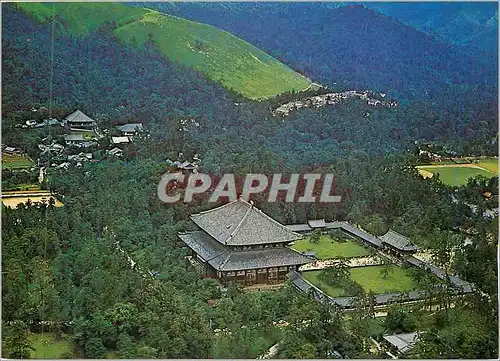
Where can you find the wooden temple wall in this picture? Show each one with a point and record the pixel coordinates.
(272, 275)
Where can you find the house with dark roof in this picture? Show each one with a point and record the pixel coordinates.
(237, 242)
(394, 242)
(74, 138)
(130, 129)
(80, 121)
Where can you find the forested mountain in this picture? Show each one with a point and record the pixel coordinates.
(116, 82)
(474, 24)
(219, 55)
(62, 265)
(350, 46)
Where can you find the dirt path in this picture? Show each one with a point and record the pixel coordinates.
(461, 165)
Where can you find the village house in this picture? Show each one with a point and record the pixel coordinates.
(55, 148)
(185, 166)
(329, 99)
(239, 243)
(80, 121)
(80, 157)
(398, 344)
(120, 140)
(48, 122)
(11, 150)
(74, 138)
(130, 129)
(115, 152)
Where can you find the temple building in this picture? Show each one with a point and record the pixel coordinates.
(80, 121)
(238, 242)
(396, 243)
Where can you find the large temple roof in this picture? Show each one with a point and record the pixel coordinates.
(79, 116)
(224, 259)
(239, 223)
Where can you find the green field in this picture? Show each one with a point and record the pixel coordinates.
(326, 248)
(220, 55)
(369, 278)
(489, 163)
(456, 176)
(48, 347)
(15, 161)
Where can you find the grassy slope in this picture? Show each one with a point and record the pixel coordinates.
(221, 56)
(328, 249)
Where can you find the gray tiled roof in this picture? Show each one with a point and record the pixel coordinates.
(131, 127)
(346, 226)
(317, 223)
(398, 241)
(359, 233)
(223, 258)
(464, 286)
(239, 223)
(402, 341)
(299, 227)
(74, 138)
(80, 117)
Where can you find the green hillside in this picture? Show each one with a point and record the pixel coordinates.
(223, 57)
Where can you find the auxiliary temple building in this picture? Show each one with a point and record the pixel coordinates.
(238, 242)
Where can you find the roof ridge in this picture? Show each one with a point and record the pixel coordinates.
(214, 209)
(399, 234)
(407, 239)
(223, 263)
(239, 223)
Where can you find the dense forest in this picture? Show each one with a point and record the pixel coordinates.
(461, 23)
(353, 46)
(115, 83)
(64, 265)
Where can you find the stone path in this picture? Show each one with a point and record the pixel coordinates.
(352, 262)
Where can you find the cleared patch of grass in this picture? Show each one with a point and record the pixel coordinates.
(332, 291)
(370, 279)
(326, 248)
(456, 176)
(47, 346)
(489, 163)
(221, 56)
(16, 161)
